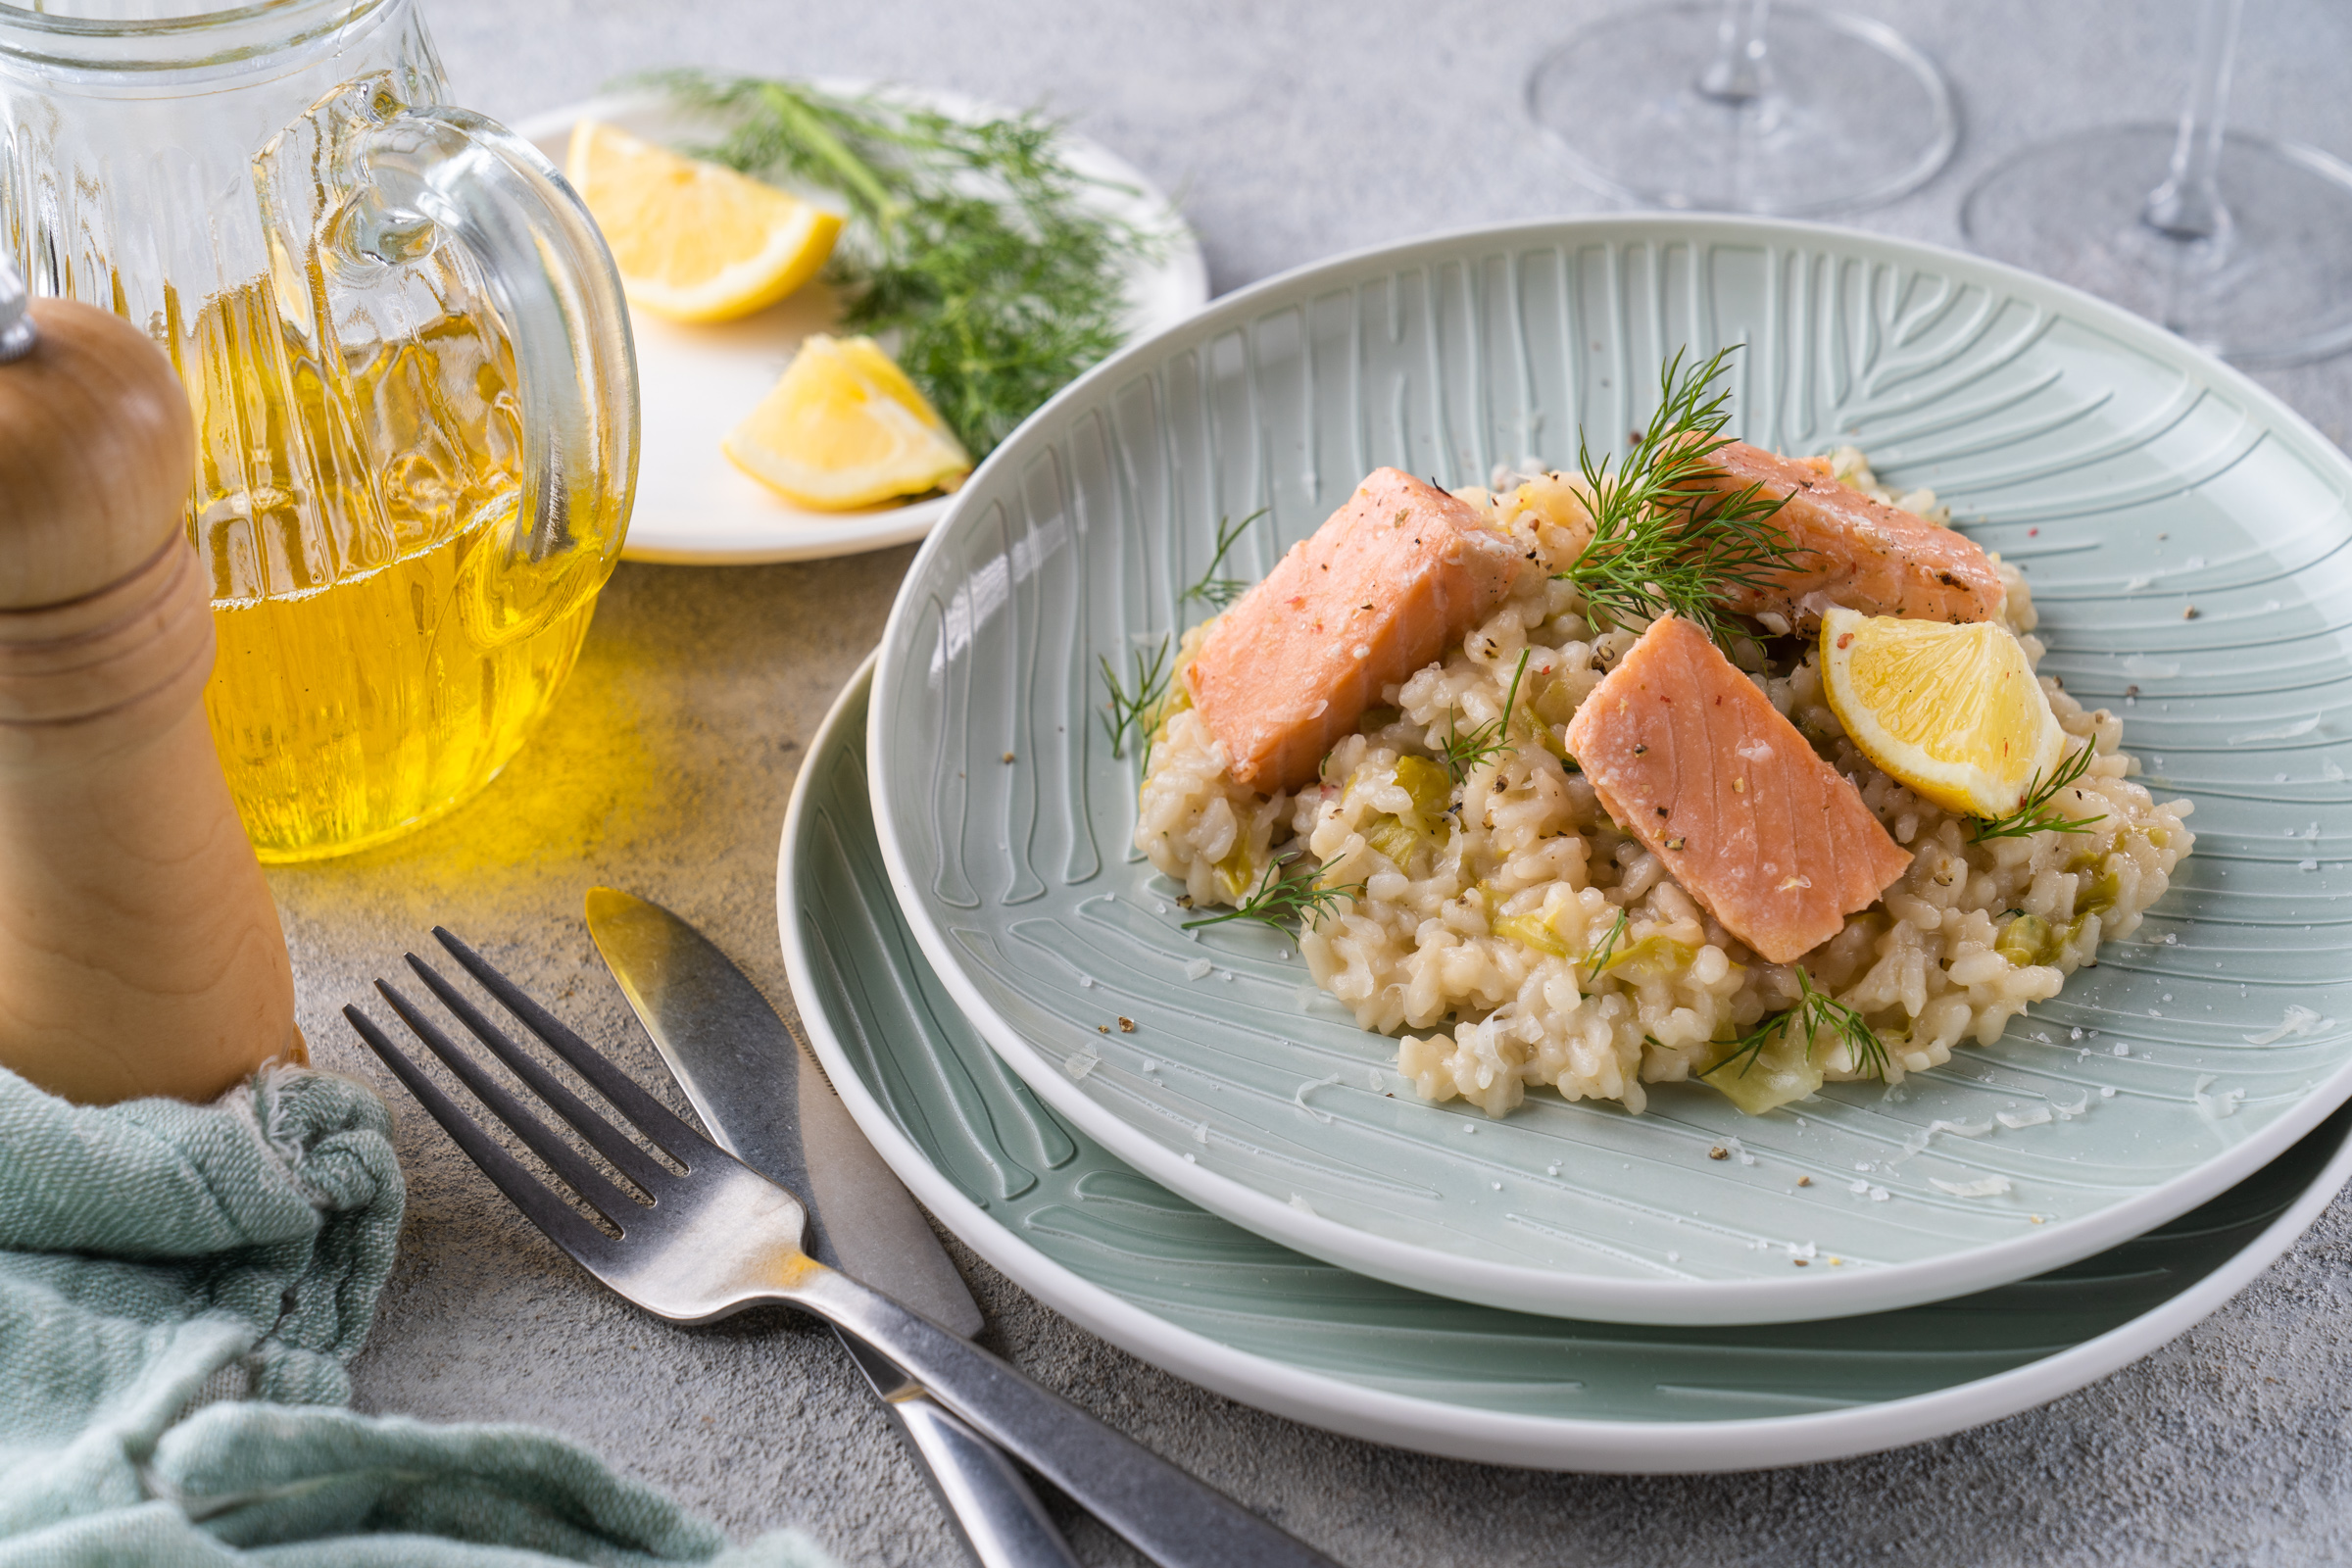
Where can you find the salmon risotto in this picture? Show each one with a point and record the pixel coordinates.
(1709, 765)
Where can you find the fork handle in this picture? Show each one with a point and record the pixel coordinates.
(1169, 1516)
(987, 1498)
(1000, 1517)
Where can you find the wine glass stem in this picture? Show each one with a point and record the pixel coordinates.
(2187, 206)
(1740, 74)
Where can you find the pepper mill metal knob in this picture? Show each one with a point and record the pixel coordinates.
(140, 953)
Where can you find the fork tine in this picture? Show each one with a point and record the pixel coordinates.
(602, 1136)
(561, 1223)
(652, 1117)
(540, 1139)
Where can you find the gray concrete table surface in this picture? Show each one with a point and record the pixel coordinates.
(1293, 131)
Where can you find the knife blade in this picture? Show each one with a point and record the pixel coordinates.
(763, 1098)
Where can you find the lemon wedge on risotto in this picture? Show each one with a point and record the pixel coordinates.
(694, 241)
(846, 428)
(1953, 712)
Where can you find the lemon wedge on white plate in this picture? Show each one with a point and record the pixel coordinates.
(1953, 712)
(846, 428)
(695, 241)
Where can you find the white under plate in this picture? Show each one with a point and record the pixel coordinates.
(1134, 1262)
(694, 382)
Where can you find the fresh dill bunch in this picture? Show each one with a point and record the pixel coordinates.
(2039, 812)
(1814, 1013)
(1212, 589)
(1663, 538)
(1135, 703)
(1464, 754)
(971, 240)
(1281, 899)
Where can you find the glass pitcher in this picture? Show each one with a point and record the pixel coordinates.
(415, 393)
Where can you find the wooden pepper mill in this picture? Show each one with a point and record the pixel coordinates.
(139, 951)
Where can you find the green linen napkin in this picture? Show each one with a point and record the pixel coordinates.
(181, 1287)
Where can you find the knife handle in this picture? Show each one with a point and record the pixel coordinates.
(985, 1495)
(989, 1500)
(1173, 1518)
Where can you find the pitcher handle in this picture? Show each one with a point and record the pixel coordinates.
(439, 172)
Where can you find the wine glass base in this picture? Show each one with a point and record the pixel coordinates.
(2273, 288)
(1851, 114)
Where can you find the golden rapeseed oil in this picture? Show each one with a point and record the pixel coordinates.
(385, 640)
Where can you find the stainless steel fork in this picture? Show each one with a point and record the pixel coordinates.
(718, 1237)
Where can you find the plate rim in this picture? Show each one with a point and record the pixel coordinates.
(1594, 1444)
(1484, 1281)
(1186, 265)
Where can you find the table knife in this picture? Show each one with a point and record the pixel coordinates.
(764, 1098)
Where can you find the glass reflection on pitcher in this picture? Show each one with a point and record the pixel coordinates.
(415, 393)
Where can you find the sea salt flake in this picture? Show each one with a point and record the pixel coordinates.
(2107, 1091)
(2301, 726)
(2299, 1020)
(1966, 1129)
(1301, 1204)
(1198, 970)
(2023, 1118)
(1988, 1187)
(2122, 1049)
(1200, 1133)
(2070, 1112)
(1674, 1257)
(1079, 1065)
(1300, 1098)
(1879, 1195)
(1858, 1185)
(2307, 865)
(2213, 1107)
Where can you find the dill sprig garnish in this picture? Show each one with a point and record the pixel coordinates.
(1135, 703)
(1663, 538)
(2039, 812)
(1604, 950)
(1279, 898)
(1464, 754)
(1212, 589)
(969, 238)
(1815, 1013)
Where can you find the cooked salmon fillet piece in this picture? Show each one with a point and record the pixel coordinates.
(1389, 580)
(1689, 757)
(1853, 551)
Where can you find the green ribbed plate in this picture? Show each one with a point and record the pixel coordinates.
(2132, 478)
(1189, 1292)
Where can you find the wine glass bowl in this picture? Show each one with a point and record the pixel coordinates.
(1745, 107)
(2264, 277)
